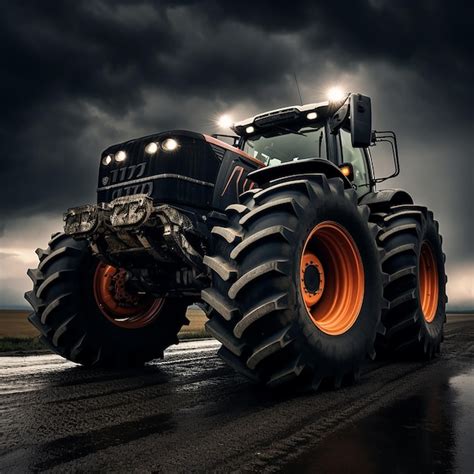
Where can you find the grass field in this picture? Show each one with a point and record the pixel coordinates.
(14, 323)
(16, 333)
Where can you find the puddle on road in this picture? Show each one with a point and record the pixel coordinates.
(432, 431)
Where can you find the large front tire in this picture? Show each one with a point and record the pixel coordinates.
(296, 283)
(79, 321)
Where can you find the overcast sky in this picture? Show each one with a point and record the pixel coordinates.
(77, 76)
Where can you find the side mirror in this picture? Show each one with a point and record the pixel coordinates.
(361, 120)
(347, 170)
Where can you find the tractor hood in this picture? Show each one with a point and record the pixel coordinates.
(176, 166)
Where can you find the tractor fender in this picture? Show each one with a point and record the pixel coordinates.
(379, 200)
(300, 167)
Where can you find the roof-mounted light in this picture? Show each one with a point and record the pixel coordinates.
(225, 121)
(312, 116)
(336, 94)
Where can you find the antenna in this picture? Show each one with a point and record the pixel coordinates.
(298, 88)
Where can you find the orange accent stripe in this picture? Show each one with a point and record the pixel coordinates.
(237, 169)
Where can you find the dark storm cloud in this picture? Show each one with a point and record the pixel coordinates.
(65, 56)
(62, 56)
(77, 76)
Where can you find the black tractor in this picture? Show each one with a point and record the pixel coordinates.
(304, 269)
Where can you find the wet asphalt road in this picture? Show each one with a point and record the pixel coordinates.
(192, 413)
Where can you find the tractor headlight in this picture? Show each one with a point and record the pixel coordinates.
(311, 115)
(170, 144)
(151, 148)
(120, 156)
(250, 129)
(106, 160)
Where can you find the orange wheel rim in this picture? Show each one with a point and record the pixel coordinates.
(428, 282)
(124, 308)
(332, 278)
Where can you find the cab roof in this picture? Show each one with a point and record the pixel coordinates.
(283, 115)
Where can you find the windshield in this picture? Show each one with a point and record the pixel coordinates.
(287, 145)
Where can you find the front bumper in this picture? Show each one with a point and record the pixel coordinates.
(123, 213)
(135, 224)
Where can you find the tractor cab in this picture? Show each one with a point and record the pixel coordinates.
(337, 131)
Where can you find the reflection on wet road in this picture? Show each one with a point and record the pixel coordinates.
(431, 431)
(190, 412)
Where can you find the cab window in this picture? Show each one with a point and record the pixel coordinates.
(356, 157)
(284, 144)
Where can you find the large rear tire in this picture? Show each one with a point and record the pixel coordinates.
(78, 318)
(296, 283)
(416, 287)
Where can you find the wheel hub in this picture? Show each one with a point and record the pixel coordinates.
(312, 278)
(124, 308)
(121, 294)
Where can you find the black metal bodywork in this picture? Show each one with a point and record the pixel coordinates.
(381, 200)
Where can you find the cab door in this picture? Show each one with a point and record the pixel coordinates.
(359, 159)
